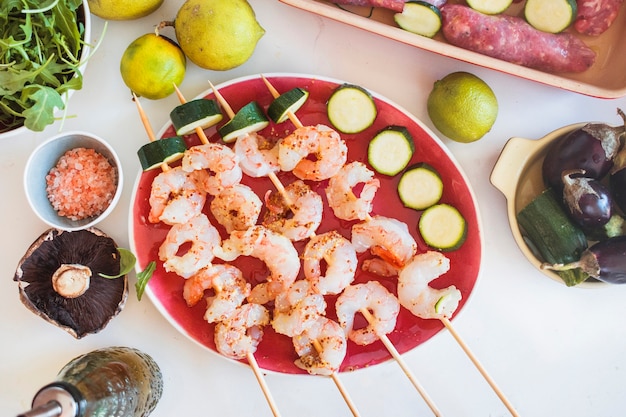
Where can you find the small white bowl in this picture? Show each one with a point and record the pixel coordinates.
(84, 16)
(45, 157)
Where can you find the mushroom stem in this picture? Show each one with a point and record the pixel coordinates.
(71, 280)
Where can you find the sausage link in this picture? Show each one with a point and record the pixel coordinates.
(596, 16)
(512, 39)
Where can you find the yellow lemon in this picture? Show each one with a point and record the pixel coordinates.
(462, 107)
(217, 34)
(151, 65)
(123, 9)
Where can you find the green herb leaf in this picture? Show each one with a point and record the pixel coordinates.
(142, 279)
(127, 263)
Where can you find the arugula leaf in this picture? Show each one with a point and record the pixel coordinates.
(41, 113)
(127, 263)
(142, 279)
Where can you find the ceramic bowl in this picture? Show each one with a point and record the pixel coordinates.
(45, 157)
(84, 17)
(517, 174)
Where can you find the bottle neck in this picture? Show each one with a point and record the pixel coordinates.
(58, 399)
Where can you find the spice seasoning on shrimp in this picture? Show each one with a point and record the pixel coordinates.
(82, 184)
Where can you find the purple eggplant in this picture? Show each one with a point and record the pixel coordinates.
(617, 180)
(591, 148)
(587, 200)
(604, 261)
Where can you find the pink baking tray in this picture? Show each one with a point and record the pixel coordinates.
(605, 79)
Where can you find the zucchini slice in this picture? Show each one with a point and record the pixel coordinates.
(201, 112)
(390, 150)
(443, 227)
(351, 109)
(552, 235)
(250, 118)
(419, 17)
(420, 187)
(153, 154)
(489, 6)
(289, 101)
(552, 16)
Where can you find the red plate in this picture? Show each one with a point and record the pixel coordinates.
(275, 352)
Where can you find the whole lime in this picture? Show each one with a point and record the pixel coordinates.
(123, 9)
(462, 107)
(151, 65)
(217, 34)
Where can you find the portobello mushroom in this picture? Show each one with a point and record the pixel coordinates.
(59, 280)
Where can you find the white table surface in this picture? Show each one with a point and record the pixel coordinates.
(552, 350)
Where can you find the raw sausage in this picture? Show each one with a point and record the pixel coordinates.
(596, 16)
(395, 5)
(512, 39)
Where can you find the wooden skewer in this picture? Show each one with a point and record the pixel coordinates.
(250, 356)
(148, 128)
(479, 366)
(396, 355)
(279, 186)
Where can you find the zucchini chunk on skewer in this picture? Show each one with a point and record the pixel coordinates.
(419, 17)
(420, 187)
(250, 118)
(443, 227)
(289, 101)
(153, 154)
(390, 150)
(351, 109)
(201, 112)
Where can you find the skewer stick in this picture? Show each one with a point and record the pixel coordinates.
(396, 355)
(199, 130)
(250, 356)
(279, 186)
(479, 366)
(148, 128)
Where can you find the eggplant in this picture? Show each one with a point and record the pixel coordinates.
(590, 148)
(617, 180)
(604, 261)
(587, 200)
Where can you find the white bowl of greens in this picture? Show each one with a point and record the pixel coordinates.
(37, 80)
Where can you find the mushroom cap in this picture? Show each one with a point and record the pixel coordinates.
(88, 312)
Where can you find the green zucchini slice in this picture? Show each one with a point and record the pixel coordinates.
(351, 109)
(153, 154)
(552, 16)
(489, 6)
(419, 17)
(289, 101)
(250, 118)
(443, 227)
(201, 113)
(390, 150)
(420, 186)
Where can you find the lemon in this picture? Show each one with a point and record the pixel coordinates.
(151, 65)
(462, 107)
(123, 9)
(217, 34)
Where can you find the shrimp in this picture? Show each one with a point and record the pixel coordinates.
(340, 258)
(256, 157)
(417, 296)
(231, 289)
(176, 196)
(236, 207)
(375, 298)
(332, 342)
(274, 249)
(341, 197)
(241, 333)
(221, 162)
(297, 309)
(386, 238)
(298, 221)
(204, 239)
(328, 148)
